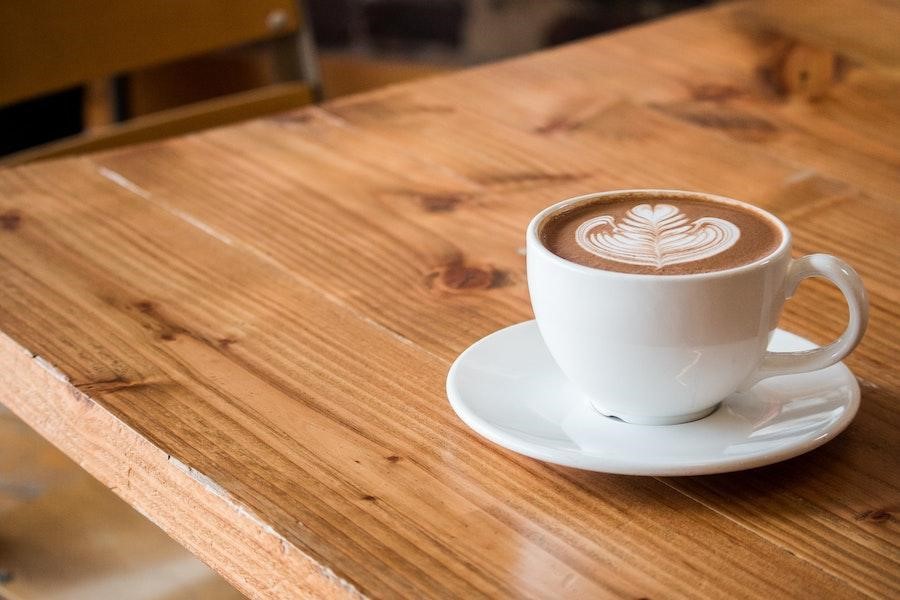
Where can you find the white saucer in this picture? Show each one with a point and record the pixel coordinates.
(508, 389)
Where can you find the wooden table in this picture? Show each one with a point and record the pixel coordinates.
(245, 333)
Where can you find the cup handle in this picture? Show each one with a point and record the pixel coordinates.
(848, 281)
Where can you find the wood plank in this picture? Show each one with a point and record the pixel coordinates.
(804, 190)
(65, 535)
(867, 34)
(47, 46)
(794, 194)
(438, 138)
(198, 78)
(472, 185)
(677, 155)
(193, 510)
(346, 73)
(727, 79)
(176, 121)
(211, 366)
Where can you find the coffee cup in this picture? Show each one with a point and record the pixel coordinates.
(659, 304)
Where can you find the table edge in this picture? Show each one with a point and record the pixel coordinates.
(145, 477)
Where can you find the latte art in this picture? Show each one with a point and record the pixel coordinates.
(656, 236)
(660, 233)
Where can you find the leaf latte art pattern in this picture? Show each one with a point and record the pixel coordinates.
(656, 236)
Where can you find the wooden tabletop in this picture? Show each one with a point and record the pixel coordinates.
(246, 333)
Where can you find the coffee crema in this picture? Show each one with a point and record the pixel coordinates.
(660, 235)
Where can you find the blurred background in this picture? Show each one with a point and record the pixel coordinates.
(98, 74)
(85, 75)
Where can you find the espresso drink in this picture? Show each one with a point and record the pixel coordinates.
(660, 235)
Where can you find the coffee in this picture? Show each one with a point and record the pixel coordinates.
(664, 234)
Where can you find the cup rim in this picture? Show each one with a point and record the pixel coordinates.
(535, 241)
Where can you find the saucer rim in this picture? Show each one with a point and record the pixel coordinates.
(613, 465)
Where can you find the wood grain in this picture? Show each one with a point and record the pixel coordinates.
(63, 534)
(175, 121)
(201, 294)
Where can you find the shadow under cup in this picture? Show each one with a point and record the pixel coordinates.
(656, 349)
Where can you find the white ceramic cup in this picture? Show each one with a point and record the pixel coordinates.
(665, 349)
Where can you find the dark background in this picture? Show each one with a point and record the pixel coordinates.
(450, 33)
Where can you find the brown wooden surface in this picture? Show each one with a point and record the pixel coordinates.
(175, 121)
(48, 45)
(63, 534)
(186, 321)
(347, 73)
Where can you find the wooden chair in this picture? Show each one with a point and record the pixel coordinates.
(51, 45)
